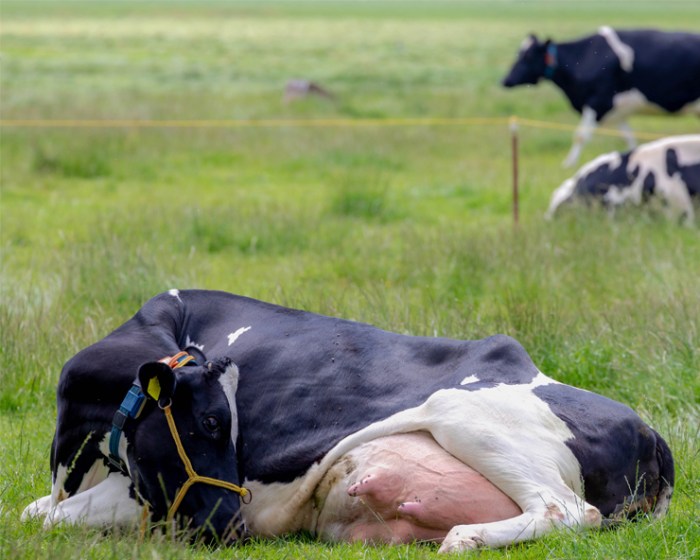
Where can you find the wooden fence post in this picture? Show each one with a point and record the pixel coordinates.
(514, 154)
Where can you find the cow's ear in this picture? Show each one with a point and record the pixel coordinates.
(199, 358)
(157, 381)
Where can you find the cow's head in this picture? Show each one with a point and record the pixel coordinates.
(200, 401)
(534, 58)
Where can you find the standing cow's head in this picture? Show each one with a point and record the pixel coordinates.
(188, 416)
(535, 60)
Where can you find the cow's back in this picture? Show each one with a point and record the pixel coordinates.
(666, 67)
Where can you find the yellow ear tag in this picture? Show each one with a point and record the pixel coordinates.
(153, 388)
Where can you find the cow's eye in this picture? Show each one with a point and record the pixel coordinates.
(211, 424)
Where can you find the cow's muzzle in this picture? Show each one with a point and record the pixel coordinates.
(193, 477)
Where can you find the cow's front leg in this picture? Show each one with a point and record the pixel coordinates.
(534, 523)
(110, 502)
(39, 508)
(583, 134)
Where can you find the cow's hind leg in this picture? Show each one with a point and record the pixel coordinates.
(552, 513)
(532, 466)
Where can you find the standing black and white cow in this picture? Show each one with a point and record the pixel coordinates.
(613, 74)
(667, 170)
(342, 429)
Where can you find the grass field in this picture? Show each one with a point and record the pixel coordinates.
(407, 227)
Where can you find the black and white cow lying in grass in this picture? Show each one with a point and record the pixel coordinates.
(337, 428)
(667, 170)
(613, 74)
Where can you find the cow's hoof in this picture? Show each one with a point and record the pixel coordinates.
(37, 510)
(459, 541)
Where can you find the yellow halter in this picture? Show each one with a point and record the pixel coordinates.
(176, 361)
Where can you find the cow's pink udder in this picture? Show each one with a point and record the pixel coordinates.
(406, 487)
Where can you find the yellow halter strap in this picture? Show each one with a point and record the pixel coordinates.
(176, 362)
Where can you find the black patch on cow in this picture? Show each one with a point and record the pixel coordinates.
(597, 182)
(606, 434)
(339, 377)
(689, 174)
(648, 186)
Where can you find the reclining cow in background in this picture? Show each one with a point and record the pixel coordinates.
(338, 428)
(611, 75)
(667, 170)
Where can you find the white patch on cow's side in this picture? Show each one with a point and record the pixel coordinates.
(190, 342)
(506, 433)
(469, 379)
(229, 384)
(626, 103)
(234, 335)
(175, 293)
(611, 159)
(624, 52)
(107, 503)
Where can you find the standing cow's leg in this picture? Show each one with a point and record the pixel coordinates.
(581, 136)
(628, 135)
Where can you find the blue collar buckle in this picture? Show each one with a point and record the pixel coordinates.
(131, 407)
(551, 61)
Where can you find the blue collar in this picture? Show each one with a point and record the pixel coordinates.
(131, 407)
(551, 61)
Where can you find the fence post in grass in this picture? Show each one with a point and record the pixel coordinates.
(514, 154)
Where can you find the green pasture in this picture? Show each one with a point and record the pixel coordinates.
(405, 226)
